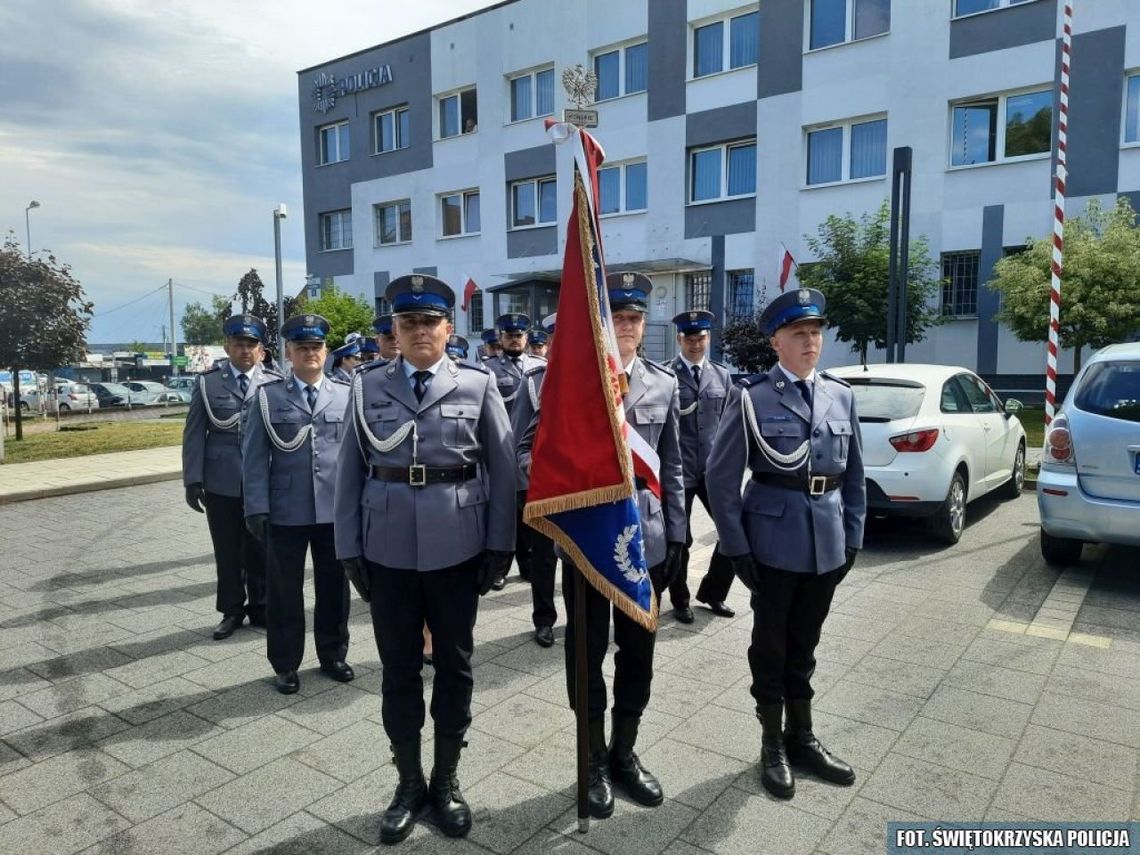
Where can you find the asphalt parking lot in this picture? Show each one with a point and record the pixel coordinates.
(971, 682)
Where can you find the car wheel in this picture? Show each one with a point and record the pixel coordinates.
(1012, 488)
(949, 520)
(1060, 550)
(24, 406)
(64, 408)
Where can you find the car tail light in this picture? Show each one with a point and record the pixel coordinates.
(1059, 442)
(919, 440)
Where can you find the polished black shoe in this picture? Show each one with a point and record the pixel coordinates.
(683, 613)
(287, 682)
(227, 625)
(600, 787)
(625, 767)
(718, 608)
(411, 793)
(805, 751)
(544, 636)
(449, 808)
(340, 671)
(775, 772)
(499, 583)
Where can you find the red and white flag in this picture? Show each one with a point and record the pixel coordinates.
(469, 289)
(787, 263)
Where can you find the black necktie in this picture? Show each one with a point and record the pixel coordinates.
(311, 396)
(243, 381)
(805, 391)
(697, 374)
(421, 378)
(515, 360)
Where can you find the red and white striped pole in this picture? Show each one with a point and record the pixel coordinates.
(1059, 217)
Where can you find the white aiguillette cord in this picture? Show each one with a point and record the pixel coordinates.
(220, 424)
(280, 444)
(381, 445)
(788, 462)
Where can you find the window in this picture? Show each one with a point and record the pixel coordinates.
(833, 22)
(977, 394)
(722, 171)
(622, 188)
(333, 143)
(960, 283)
(458, 114)
(393, 222)
(383, 306)
(475, 313)
(698, 291)
(741, 287)
(848, 152)
(533, 202)
(737, 37)
(1132, 109)
(459, 213)
(969, 7)
(1111, 389)
(532, 94)
(336, 230)
(977, 136)
(391, 130)
(621, 71)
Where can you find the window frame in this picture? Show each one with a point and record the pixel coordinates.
(377, 207)
(726, 66)
(1001, 4)
(849, 36)
(463, 195)
(731, 282)
(1002, 108)
(475, 313)
(623, 188)
(948, 285)
(533, 98)
(457, 94)
(395, 113)
(846, 126)
(724, 182)
(620, 49)
(536, 197)
(1124, 141)
(338, 125)
(327, 217)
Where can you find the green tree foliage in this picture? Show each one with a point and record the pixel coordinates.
(345, 313)
(204, 326)
(1100, 284)
(746, 347)
(250, 296)
(851, 271)
(44, 315)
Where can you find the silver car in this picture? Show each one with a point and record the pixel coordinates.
(1089, 486)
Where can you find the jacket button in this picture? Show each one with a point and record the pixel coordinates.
(816, 433)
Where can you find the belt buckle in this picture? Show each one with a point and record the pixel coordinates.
(417, 475)
(817, 485)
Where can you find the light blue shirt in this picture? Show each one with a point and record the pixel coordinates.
(793, 379)
(410, 369)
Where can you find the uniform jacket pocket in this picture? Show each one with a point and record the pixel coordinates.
(459, 421)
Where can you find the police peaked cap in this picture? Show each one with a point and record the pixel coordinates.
(512, 322)
(629, 291)
(793, 307)
(383, 325)
(695, 321)
(244, 326)
(305, 328)
(420, 294)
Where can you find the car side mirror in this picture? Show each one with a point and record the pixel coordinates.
(1013, 407)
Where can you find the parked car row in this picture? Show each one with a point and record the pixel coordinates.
(85, 397)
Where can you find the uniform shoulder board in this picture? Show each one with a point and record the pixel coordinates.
(664, 369)
(273, 372)
(719, 365)
(838, 380)
(375, 363)
(483, 368)
(751, 380)
(273, 378)
(340, 380)
(213, 369)
(535, 371)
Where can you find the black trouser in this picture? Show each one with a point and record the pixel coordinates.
(787, 620)
(542, 565)
(240, 559)
(716, 582)
(523, 542)
(285, 600)
(401, 601)
(633, 659)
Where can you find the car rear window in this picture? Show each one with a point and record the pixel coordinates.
(884, 400)
(1111, 389)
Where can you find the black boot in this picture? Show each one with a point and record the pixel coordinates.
(775, 773)
(452, 814)
(626, 768)
(601, 788)
(411, 793)
(805, 751)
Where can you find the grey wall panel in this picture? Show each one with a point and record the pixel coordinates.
(736, 121)
(717, 294)
(781, 48)
(529, 162)
(380, 280)
(1096, 90)
(430, 270)
(1021, 24)
(524, 243)
(993, 222)
(720, 218)
(668, 51)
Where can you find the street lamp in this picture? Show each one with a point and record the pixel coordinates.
(279, 214)
(28, 224)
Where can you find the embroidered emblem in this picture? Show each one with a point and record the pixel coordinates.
(627, 279)
(692, 316)
(780, 385)
(805, 296)
(622, 558)
(417, 284)
(310, 320)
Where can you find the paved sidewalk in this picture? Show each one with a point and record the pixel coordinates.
(39, 479)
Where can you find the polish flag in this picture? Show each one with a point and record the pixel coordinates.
(786, 265)
(469, 289)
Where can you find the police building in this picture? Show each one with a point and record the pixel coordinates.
(729, 130)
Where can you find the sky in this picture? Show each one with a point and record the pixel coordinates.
(158, 137)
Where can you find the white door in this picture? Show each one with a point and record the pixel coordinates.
(994, 429)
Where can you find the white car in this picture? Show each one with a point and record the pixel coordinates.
(68, 396)
(935, 438)
(1089, 485)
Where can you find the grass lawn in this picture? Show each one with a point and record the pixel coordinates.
(1033, 420)
(96, 438)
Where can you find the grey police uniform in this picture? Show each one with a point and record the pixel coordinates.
(509, 376)
(211, 456)
(289, 472)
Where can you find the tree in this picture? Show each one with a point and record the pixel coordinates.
(204, 326)
(851, 271)
(1100, 300)
(746, 346)
(136, 346)
(345, 313)
(250, 296)
(44, 315)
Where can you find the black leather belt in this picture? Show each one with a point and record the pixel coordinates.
(420, 475)
(816, 485)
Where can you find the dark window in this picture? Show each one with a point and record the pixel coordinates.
(974, 138)
(883, 400)
(741, 290)
(475, 313)
(1028, 123)
(977, 395)
(1111, 389)
(960, 283)
(698, 291)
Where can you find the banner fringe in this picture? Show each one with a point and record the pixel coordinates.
(578, 501)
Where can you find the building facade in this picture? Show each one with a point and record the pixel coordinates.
(729, 129)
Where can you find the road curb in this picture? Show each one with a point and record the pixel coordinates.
(88, 486)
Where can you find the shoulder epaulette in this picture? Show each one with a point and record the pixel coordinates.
(531, 372)
(751, 380)
(375, 363)
(838, 380)
(341, 381)
(472, 367)
(213, 369)
(273, 378)
(664, 369)
(273, 372)
(719, 365)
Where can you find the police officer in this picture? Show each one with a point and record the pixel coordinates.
(795, 533)
(457, 348)
(537, 341)
(425, 521)
(490, 345)
(704, 389)
(509, 368)
(211, 470)
(346, 358)
(289, 451)
(385, 338)
(369, 350)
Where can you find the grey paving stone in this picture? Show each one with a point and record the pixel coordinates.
(523, 720)
(150, 702)
(723, 731)
(706, 666)
(690, 775)
(495, 682)
(853, 626)
(338, 707)
(743, 823)
(74, 730)
(929, 790)
(1115, 660)
(862, 828)
(507, 810)
(1114, 689)
(233, 671)
(164, 784)
(956, 747)
(356, 808)
(893, 675)
(869, 704)
(934, 653)
(242, 704)
(59, 777)
(13, 716)
(87, 661)
(552, 764)
(154, 669)
(6, 814)
(73, 694)
(245, 748)
(978, 712)
(186, 829)
(1019, 652)
(255, 801)
(678, 694)
(1077, 715)
(147, 743)
(530, 659)
(1056, 797)
(348, 753)
(861, 744)
(844, 651)
(934, 629)
(20, 681)
(813, 794)
(632, 830)
(65, 827)
(988, 679)
(1082, 756)
(549, 841)
(300, 834)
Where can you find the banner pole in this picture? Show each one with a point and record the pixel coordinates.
(581, 691)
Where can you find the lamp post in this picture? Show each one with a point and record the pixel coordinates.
(279, 213)
(28, 224)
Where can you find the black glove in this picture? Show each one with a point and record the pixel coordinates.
(256, 525)
(747, 571)
(674, 553)
(357, 573)
(494, 564)
(195, 496)
(851, 552)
